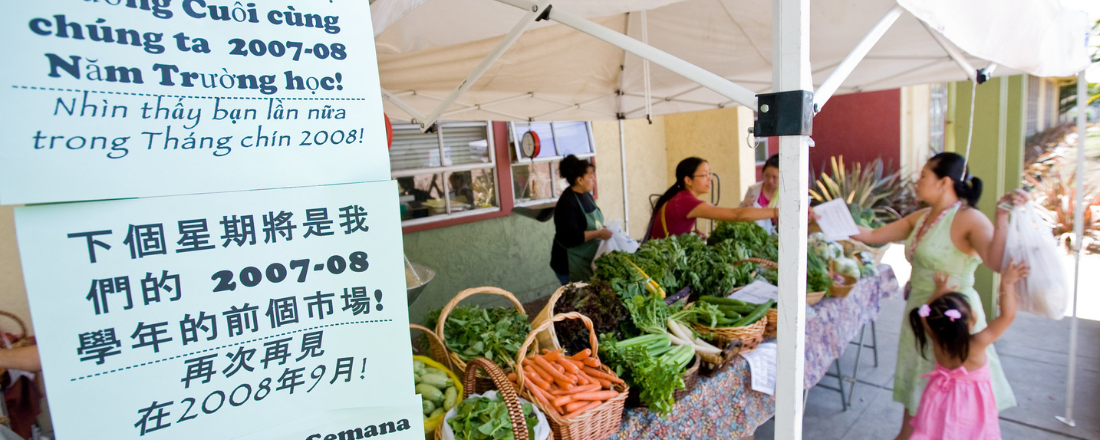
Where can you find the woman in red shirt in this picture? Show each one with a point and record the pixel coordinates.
(677, 209)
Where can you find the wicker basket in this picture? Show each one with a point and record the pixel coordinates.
(548, 339)
(772, 329)
(814, 297)
(850, 246)
(840, 290)
(432, 424)
(484, 383)
(437, 350)
(595, 424)
(502, 385)
(750, 335)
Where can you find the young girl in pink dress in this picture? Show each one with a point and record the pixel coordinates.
(958, 401)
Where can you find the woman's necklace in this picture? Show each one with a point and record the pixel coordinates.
(924, 228)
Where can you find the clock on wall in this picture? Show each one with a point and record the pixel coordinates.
(530, 145)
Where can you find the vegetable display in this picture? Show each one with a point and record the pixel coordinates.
(436, 389)
(651, 363)
(846, 266)
(494, 333)
(568, 385)
(735, 313)
(482, 418)
(865, 216)
(599, 302)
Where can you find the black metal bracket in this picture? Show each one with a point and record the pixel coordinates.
(545, 15)
(784, 114)
(982, 76)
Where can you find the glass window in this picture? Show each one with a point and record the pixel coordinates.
(937, 118)
(761, 150)
(449, 173)
(536, 180)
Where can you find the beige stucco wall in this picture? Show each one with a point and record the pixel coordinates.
(719, 136)
(646, 168)
(13, 295)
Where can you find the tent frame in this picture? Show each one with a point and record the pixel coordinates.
(791, 71)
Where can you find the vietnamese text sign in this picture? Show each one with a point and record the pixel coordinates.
(215, 316)
(205, 95)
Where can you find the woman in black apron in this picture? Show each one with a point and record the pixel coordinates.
(578, 223)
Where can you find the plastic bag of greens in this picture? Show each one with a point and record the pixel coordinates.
(1045, 291)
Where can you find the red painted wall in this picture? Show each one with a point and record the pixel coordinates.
(859, 126)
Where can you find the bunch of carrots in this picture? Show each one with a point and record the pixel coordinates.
(570, 385)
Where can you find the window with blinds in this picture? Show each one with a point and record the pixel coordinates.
(447, 174)
(457, 144)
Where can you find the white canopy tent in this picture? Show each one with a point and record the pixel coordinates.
(499, 60)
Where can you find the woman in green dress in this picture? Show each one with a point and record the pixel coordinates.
(950, 236)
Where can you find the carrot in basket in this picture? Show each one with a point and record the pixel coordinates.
(577, 390)
(552, 356)
(534, 378)
(568, 364)
(606, 384)
(582, 354)
(574, 406)
(512, 377)
(544, 398)
(591, 405)
(563, 400)
(583, 379)
(601, 375)
(591, 362)
(594, 395)
(553, 372)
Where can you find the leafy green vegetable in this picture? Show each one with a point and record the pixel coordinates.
(482, 418)
(616, 268)
(494, 333)
(754, 238)
(817, 274)
(669, 260)
(649, 313)
(599, 302)
(657, 376)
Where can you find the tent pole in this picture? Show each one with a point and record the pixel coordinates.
(791, 71)
(1079, 235)
(626, 194)
(678, 66)
(402, 105)
(533, 12)
(850, 62)
(955, 54)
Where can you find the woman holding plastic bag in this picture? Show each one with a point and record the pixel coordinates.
(578, 223)
(950, 236)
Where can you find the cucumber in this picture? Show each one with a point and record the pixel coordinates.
(722, 301)
(450, 397)
(436, 380)
(760, 311)
(429, 406)
(429, 392)
(438, 412)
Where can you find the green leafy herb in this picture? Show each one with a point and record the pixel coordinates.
(657, 376)
(494, 333)
(482, 418)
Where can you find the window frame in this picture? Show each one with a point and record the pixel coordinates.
(515, 136)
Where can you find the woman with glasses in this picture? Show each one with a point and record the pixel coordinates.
(677, 209)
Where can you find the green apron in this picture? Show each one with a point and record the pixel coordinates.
(581, 255)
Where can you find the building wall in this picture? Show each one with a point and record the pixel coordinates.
(859, 126)
(646, 168)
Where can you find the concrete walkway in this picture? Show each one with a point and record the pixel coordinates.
(1034, 354)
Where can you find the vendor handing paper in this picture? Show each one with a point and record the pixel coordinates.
(835, 220)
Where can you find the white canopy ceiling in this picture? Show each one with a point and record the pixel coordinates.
(553, 72)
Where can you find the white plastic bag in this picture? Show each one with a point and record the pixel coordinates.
(1045, 291)
(619, 241)
(542, 429)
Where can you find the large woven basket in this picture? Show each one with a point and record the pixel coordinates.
(481, 366)
(877, 253)
(484, 383)
(750, 335)
(772, 329)
(814, 297)
(548, 339)
(437, 350)
(595, 424)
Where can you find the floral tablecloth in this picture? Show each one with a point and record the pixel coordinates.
(725, 407)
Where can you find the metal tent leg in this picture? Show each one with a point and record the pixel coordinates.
(874, 343)
(840, 378)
